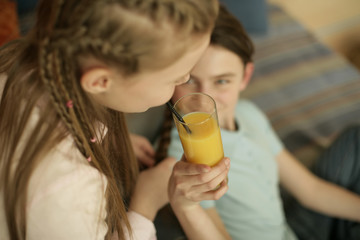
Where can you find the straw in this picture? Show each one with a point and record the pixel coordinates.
(177, 115)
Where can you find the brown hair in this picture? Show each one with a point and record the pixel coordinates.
(43, 75)
(229, 34)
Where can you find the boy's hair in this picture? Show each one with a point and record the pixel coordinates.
(43, 72)
(229, 34)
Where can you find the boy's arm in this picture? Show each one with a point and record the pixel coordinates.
(316, 193)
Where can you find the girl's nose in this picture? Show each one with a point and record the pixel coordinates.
(204, 89)
(185, 79)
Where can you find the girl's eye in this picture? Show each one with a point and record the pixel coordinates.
(221, 81)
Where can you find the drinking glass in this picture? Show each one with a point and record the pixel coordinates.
(199, 129)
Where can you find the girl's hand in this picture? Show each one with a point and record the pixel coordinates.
(150, 193)
(191, 183)
(143, 149)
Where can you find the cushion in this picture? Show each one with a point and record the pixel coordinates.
(26, 6)
(9, 26)
(252, 14)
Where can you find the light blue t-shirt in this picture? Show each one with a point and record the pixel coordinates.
(252, 208)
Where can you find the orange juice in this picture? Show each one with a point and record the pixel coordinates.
(203, 145)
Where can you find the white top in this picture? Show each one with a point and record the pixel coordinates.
(252, 207)
(66, 200)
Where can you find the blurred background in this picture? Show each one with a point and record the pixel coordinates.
(336, 23)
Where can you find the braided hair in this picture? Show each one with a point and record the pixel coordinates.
(43, 71)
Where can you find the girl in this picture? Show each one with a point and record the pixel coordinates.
(252, 208)
(66, 166)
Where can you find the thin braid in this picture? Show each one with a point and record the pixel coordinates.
(69, 115)
(70, 96)
(56, 97)
(164, 142)
(46, 68)
(46, 71)
(58, 73)
(105, 47)
(80, 105)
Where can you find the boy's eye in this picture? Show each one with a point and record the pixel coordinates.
(221, 81)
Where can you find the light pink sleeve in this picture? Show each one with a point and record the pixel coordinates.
(142, 228)
(72, 207)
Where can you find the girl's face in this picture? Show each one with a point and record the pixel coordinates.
(221, 74)
(141, 91)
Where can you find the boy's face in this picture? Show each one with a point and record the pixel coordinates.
(221, 74)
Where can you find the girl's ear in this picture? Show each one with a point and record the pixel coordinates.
(248, 72)
(96, 80)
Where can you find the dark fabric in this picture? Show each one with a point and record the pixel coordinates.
(339, 164)
(26, 6)
(167, 226)
(252, 14)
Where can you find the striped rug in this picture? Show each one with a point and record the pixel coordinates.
(309, 92)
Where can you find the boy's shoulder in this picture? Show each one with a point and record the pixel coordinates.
(246, 109)
(247, 106)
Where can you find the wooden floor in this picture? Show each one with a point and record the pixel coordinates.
(335, 22)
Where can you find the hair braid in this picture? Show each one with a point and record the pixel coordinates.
(51, 69)
(165, 139)
(75, 92)
(47, 64)
(75, 117)
(46, 74)
(45, 69)
(80, 126)
(118, 52)
(126, 35)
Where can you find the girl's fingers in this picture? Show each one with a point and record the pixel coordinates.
(214, 194)
(211, 184)
(200, 174)
(216, 170)
(199, 183)
(218, 193)
(186, 168)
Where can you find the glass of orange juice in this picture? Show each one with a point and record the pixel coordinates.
(199, 132)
